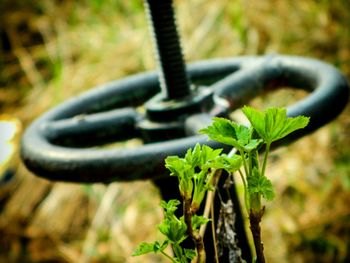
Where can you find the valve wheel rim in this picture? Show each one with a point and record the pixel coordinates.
(234, 82)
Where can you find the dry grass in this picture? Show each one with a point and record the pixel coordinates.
(52, 50)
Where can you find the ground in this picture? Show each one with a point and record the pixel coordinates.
(53, 50)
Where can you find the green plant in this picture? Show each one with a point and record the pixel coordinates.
(199, 170)
(266, 127)
(196, 173)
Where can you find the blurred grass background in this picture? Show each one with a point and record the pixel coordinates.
(52, 50)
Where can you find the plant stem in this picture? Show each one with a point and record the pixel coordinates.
(246, 197)
(255, 219)
(267, 150)
(208, 203)
(214, 233)
(210, 200)
(167, 256)
(244, 163)
(196, 237)
(255, 202)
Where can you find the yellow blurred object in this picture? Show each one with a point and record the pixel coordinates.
(10, 129)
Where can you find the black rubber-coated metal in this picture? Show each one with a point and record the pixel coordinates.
(53, 146)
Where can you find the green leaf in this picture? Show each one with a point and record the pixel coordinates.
(200, 155)
(230, 164)
(252, 145)
(192, 157)
(259, 184)
(273, 124)
(190, 253)
(197, 221)
(171, 206)
(177, 166)
(183, 170)
(179, 254)
(208, 154)
(164, 245)
(174, 229)
(144, 248)
(156, 247)
(230, 133)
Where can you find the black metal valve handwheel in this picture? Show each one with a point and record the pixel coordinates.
(57, 146)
